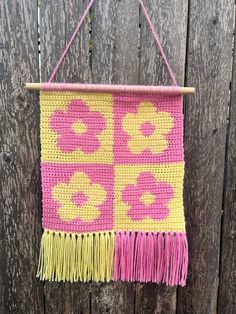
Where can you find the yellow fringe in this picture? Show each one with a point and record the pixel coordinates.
(76, 257)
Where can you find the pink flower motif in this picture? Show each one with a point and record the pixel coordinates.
(78, 127)
(148, 198)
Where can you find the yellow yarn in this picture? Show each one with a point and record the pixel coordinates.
(99, 102)
(147, 198)
(73, 257)
(86, 190)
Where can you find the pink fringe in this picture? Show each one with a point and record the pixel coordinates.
(151, 257)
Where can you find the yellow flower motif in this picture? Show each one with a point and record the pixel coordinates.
(79, 198)
(147, 129)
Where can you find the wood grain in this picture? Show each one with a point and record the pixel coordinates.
(103, 40)
(67, 297)
(227, 288)
(152, 298)
(170, 22)
(113, 298)
(208, 69)
(20, 213)
(115, 41)
(58, 20)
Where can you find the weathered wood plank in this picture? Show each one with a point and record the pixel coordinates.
(58, 21)
(113, 298)
(227, 288)
(67, 297)
(126, 58)
(170, 22)
(20, 212)
(115, 42)
(151, 298)
(208, 69)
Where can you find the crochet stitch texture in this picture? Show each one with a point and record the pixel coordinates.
(112, 180)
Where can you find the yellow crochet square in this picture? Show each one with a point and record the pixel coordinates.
(96, 114)
(165, 179)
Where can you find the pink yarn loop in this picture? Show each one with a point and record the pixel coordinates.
(79, 26)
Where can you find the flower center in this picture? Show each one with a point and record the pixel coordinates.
(79, 127)
(147, 198)
(147, 128)
(79, 199)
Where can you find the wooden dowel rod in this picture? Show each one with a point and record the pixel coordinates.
(110, 88)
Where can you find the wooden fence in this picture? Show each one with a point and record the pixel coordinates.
(115, 46)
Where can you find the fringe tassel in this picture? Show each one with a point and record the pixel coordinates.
(128, 256)
(76, 257)
(151, 257)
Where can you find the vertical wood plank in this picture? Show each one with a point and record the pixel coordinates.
(170, 22)
(152, 298)
(67, 298)
(208, 69)
(115, 40)
(103, 40)
(227, 288)
(58, 21)
(126, 44)
(112, 297)
(20, 228)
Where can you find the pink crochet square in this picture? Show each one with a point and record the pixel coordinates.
(98, 181)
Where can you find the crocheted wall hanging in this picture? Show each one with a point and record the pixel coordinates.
(112, 167)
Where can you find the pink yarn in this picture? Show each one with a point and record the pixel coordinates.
(158, 257)
(79, 199)
(147, 129)
(69, 140)
(147, 183)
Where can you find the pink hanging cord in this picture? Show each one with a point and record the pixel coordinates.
(81, 22)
